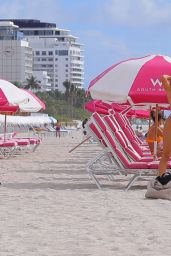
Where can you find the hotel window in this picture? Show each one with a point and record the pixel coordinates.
(43, 53)
(63, 52)
(50, 53)
(37, 53)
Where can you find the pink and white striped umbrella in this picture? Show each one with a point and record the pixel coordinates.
(34, 104)
(104, 109)
(134, 81)
(10, 95)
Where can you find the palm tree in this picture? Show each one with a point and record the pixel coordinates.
(70, 95)
(81, 98)
(32, 83)
(67, 85)
(18, 84)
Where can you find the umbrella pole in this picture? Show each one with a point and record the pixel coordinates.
(155, 138)
(149, 123)
(5, 127)
(79, 144)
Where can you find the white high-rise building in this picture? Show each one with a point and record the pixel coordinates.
(15, 54)
(55, 51)
(43, 79)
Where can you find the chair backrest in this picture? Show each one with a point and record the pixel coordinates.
(120, 120)
(93, 131)
(120, 157)
(129, 135)
(123, 160)
(110, 122)
(123, 118)
(99, 121)
(122, 139)
(131, 129)
(114, 126)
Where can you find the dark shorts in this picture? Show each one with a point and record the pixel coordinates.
(84, 132)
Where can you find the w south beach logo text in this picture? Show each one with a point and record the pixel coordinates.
(156, 82)
(156, 87)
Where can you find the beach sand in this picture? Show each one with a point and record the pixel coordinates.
(50, 207)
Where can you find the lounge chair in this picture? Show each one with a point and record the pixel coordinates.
(7, 148)
(123, 163)
(102, 164)
(124, 143)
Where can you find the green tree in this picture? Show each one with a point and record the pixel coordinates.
(65, 106)
(18, 84)
(67, 85)
(32, 83)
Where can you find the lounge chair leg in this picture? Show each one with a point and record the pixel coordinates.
(35, 147)
(133, 179)
(111, 177)
(95, 180)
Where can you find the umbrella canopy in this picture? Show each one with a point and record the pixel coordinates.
(103, 108)
(96, 106)
(133, 81)
(10, 94)
(34, 104)
(9, 109)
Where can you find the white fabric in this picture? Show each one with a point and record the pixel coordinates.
(157, 194)
(13, 94)
(31, 120)
(125, 73)
(167, 58)
(32, 105)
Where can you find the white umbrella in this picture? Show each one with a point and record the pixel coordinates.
(10, 94)
(134, 81)
(34, 104)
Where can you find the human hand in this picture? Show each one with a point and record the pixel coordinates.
(166, 82)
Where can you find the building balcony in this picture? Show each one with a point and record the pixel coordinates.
(72, 72)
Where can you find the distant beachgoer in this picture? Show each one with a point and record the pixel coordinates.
(151, 133)
(58, 129)
(83, 126)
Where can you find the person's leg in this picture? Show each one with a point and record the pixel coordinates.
(166, 147)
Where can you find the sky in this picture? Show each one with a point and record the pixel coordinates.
(110, 30)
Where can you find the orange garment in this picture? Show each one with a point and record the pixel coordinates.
(158, 139)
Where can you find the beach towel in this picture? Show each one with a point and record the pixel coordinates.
(157, 193)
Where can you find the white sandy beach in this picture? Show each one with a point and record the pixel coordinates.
(50, 207)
